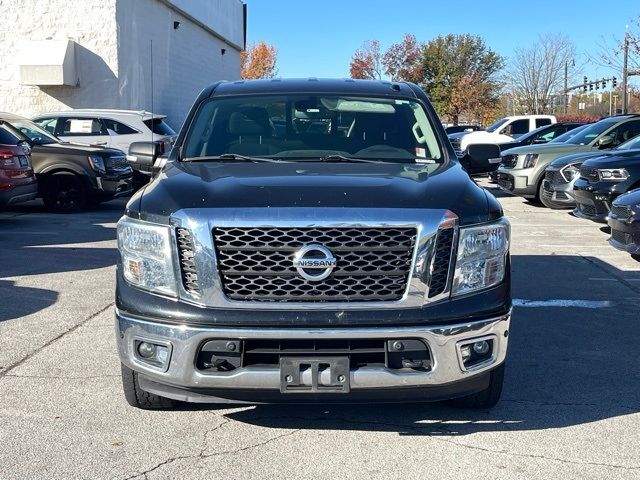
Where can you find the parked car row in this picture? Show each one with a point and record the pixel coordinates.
(594, 169)
(75, 159)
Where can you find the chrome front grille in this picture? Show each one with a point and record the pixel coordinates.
(117, 162)
(372, 263)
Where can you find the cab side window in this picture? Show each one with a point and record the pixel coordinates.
(517, 127)
(625, 132)
(117, 127)
(541, 122)
(49, 124)
(75, 126)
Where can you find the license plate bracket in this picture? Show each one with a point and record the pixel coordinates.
(314, 375)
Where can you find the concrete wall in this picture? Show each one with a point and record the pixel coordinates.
(184, 60)
(91, 23)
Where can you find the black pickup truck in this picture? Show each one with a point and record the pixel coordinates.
(343, 256)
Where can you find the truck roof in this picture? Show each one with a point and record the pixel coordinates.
(314, 85)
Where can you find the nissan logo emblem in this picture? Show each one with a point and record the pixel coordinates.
(314, 258)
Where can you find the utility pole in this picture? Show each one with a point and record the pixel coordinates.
(625, 73)
(566, 86)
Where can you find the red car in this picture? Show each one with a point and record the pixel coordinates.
(17, 180)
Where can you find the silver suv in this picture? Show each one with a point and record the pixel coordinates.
(109, 128)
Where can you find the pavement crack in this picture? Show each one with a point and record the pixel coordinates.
(202, 455)
(610, 272)
(16, 364)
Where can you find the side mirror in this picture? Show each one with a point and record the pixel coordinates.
(605, 142)
(144, 155)
(481, 158)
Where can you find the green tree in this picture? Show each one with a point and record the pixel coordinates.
(459, 75)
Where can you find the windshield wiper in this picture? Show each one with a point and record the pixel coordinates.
(232, 156)
(342, 158)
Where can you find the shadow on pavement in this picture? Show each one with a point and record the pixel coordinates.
(35, 242)
(566, 366)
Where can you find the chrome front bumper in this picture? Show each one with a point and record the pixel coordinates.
(443, 341)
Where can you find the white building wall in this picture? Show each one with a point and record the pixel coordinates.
(185, 60)
(113, 52)
(91, 23)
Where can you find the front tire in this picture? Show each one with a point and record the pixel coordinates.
(64, 193)
(136, 397)
(486, 398)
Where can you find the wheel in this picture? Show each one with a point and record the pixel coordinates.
(486, 398)
(136, 397)
(64, 193)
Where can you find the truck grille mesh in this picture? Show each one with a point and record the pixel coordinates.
(621, 211)
(372, 264)
(441, 260)
(187, 264)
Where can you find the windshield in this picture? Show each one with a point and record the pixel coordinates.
(592, 132)
(497, 125)
(302, 127)
(570, 134)
(36, 134)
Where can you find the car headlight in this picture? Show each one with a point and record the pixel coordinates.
(530, 160)
(613, 174)
(570, 171)
(97, 163)
(482, 257)
(147, 260)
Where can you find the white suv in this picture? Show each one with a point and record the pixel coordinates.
(505, 130)
(108, 128)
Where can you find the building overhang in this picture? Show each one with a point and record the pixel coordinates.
(47, 62)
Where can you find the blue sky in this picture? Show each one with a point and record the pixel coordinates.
(318, 37)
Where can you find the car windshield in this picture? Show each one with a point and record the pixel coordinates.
(36, 134)
(570, 134)
(299, 127)
(497, 125)
(592, 132)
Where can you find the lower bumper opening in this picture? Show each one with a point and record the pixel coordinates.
(226, 355)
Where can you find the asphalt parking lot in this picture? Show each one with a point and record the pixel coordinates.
(570, 407)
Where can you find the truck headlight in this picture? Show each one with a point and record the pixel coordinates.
(530, 160)
(481, 259)
(147, 261)
(613, 174)
(571, 171)
(97, 163)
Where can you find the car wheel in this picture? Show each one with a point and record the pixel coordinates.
(136, 397)
(486, 398)
(64, 193)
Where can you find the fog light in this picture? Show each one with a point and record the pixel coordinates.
(481, 348)
(147, 350)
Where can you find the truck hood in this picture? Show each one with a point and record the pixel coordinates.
(630, 198)
(617, 159)
(313, 185)
(549, 148)
(578, 158)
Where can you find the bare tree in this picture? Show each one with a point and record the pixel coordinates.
(536, 74)
(610, 51)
